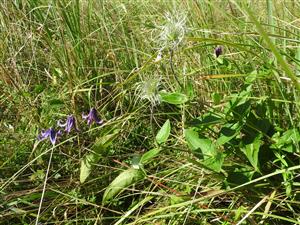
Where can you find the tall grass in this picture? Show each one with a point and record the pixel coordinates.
(230, 154)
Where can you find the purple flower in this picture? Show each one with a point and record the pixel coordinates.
(50, 133)
(69, 124)
(92, 117)
(218, 51)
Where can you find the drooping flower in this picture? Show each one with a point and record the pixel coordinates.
(50, 133)
(218, 51)
(92, 117)
(69, 124)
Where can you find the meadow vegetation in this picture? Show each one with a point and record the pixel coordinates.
(150, 112)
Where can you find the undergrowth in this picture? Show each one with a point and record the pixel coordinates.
(149, 112)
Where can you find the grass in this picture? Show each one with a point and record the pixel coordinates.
(187, 138)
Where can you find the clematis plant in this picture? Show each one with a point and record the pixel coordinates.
(69, 124)
(50, 133)
(92, 117)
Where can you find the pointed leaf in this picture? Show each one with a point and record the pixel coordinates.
(288, 141)
(251, 151)
(173, 98)
(212, 158)
(195, 143)
(99, 149)
(86, 165)
(163, 133)
(147, 156)
(215, 162)
(125, 179)
(228, 132)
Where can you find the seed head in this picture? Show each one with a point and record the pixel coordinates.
(148, 89)
(173, 31)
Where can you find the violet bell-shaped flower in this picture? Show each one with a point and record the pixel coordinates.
(92, 117)
(69, 124)
(50, 133)
(218, 51)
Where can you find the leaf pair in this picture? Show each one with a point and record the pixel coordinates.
(132, 175)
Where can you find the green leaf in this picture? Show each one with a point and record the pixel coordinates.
(212, 158)
(206, 120)
(288, 141)
(173, 98)
(252, 150)
(147, 156)
(252, 77)
(215, 162)
(254, 126)
(99, 149)
(136, 161)
(220, 60)
(239, 105)
(86, 165)
(122, 181)
(227, 133)
(195, 143)
(216, 97)
(163, 133)
(102, 143)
